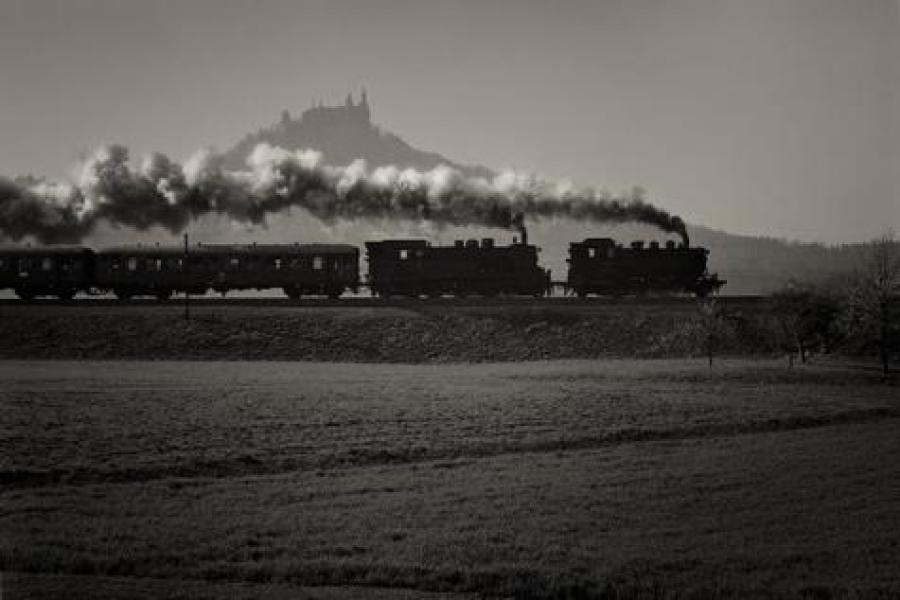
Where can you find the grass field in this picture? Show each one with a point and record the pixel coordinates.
(616, 478)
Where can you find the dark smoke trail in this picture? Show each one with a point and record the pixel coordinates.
(163, 193)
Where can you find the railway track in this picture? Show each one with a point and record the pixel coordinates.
(371, 302)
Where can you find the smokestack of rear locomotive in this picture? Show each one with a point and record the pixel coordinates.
(518, 221)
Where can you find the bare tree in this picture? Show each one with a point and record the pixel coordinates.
(804, 315)
(873, 297)
(714, 328)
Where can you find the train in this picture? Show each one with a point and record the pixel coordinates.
(397, 267)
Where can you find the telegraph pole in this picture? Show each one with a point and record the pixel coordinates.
(187, 280)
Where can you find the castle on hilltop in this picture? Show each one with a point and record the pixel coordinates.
(319, 115)
(342, 133)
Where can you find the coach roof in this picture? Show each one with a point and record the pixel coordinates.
(231, 249)
(57, 250)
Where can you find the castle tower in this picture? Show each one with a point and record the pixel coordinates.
(364, 106)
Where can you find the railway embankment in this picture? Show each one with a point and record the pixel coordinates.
(426, 334)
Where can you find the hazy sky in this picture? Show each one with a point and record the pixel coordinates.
(774, 117)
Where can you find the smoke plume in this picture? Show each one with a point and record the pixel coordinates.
(164, 193)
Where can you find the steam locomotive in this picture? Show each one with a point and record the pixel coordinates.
(411, 268)
(600, 266)
(415, 268)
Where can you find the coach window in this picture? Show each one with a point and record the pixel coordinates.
(317, 263)
(132, 264)
(47, 264)
(592, 253)
(404, 254)
(277, 264)
(610, 252)
(235, 264)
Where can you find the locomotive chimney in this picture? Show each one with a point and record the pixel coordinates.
(519, 223)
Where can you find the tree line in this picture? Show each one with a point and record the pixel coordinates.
(856, 314)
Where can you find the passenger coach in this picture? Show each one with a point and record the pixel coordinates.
(298, 269)
(60, 271)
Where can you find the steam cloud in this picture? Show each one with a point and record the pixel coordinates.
(163, 193)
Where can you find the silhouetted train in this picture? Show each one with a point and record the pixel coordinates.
(411, 268)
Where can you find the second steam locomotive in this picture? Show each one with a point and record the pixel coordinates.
(411, 268)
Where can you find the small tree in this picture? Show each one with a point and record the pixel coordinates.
(871, 312)
(805, 317)
(715, 330)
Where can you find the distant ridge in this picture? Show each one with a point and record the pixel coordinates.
(344, 133)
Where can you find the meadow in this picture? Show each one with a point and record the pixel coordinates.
(547, 479)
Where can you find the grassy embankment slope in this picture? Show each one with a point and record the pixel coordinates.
(412, 333)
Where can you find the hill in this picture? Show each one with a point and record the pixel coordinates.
(345, 133)
(755, 265)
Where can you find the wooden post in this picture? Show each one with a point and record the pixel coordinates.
(187, 280)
